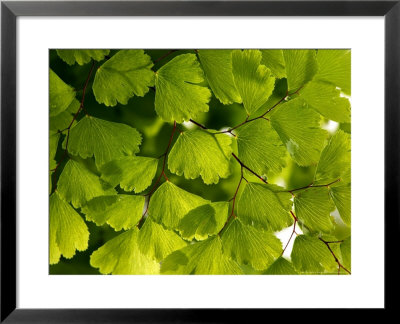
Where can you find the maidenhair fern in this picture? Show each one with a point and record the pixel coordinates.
(104, 173)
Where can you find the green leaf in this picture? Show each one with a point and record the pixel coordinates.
(68, 231)
(104, 140)
(265, 206)
(273, 59)
(341, 196)
(217, 67)
(313, 207)
(204, 221)
(121, 256)
(260, 148)
(118, 211)
(130, 172)
(325, 99)
(170, 203)
(311, 256)
(81, 56)
(247, 245)
(178, 97)
(53, 144)
(345, 248)
(301, 66)
(281, 267)
(61, 94)
(335, 68)
(204, 258)
(253, 81)
(126, 74)
(335, 159)
(63, 119)
(201, 153)
(298, 127)
(157, 242)
(78, 185)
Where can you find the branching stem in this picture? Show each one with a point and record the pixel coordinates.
(248, 169)
(334, 256)
(164, 155)
(311, 185)
(247, 120)
(162, 174)
(233, 199)
(71, 123)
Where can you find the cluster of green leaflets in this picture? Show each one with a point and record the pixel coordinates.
(183, 233)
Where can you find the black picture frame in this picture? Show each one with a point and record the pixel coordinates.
(10, 10)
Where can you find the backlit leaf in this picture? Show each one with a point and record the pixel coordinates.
(78, 185)
(325, 99)
(128, 73)
(130, 172)
(335, 159)
(201, 153)
(335, 68)
(157, 242)
(311, 256)
(61, 94)
(204, 258)
(217, 67)
(265, 206)
(121, 256)
(104, 140)
(61, 121)
(298, 127)
(253, 81)
(118, 211)
(53, 144)
(170, 203)
(81, 56)
(301, 66)
(341, 196)
(281, 267)
(248, 245)
(273, 59)
(204, 221)
(313, 207)
(260, 148)
(178, 95)
(345, 248)
(68, 231)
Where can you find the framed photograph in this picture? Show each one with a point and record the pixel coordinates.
(186, 161)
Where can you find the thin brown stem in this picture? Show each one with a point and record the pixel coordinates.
(247, 168)
(299, 221)
(247, 120)
(71, 123)
(165, 176)
(291, 235)
(311, 185)
(140, 222)
(162, 174)
(296, 92)
(273, 107)
(334, 255)
(233, 199)
(198, 124)
(164, 155)
(164, 56)
(294, 216)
